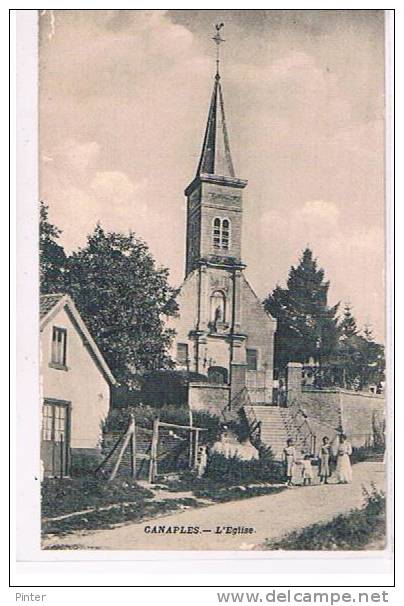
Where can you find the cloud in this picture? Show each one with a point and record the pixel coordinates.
(123, 102)
(74, 187)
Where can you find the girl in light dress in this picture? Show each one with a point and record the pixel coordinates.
(307, 470)
(344, 469)
(325, 453)
(289, 458)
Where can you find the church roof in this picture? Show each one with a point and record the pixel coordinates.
(215, 155)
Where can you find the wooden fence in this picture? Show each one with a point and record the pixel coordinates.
(143, 453)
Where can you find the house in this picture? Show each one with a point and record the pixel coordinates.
(222, 330)
(75, 386)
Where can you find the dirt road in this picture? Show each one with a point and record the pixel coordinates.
(269, 516)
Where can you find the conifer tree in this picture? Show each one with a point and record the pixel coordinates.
(347, 326)
(307, 326)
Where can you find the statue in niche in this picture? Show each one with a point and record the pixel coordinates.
(218, 309)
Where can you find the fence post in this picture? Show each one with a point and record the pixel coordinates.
(133, 449)
(125, 443)
(153, 451)
(61, 455)
(191, 435)
(196, 444)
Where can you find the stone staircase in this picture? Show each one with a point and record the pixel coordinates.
(271, 425)
(276, 426)
(273, 432)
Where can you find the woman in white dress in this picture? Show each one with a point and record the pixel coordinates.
(344, 469)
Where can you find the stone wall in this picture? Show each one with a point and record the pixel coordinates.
(323, 405)
(328, 410)
(358, 412)
(207, 397)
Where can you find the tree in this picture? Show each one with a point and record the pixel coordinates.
(123, 298)
(373, 358)
(360, 359)
(347, 326)
(52, 257)
(307, 326)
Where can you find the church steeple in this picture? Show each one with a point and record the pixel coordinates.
(214, 205)
(215, 156)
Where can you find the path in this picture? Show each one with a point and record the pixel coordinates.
(271, 516)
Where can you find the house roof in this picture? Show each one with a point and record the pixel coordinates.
(51, 304)
(47, 302)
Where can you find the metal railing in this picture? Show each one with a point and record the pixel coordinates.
(299, 429)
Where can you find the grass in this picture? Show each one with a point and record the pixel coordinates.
(98, 519)
(235, 493)
(65, 496)
(97, 503)
(366, 453)
(230, 479)
(103, 504)
(360, 529)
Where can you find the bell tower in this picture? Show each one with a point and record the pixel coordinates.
(214, 197)
(213, 248)
(222, 331)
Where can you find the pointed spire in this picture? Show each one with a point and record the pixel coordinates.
(215, 156)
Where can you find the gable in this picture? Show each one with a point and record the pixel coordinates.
(79, 351)
(253, 307)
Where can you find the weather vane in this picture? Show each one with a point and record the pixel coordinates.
(218, 40)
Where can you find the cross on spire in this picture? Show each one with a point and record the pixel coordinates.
(218, 40)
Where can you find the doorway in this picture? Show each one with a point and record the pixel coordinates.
(55, 438)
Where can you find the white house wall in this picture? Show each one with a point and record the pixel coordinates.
(83, 384)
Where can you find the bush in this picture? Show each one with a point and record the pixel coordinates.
(364, 453)
(233, 470)
(84, 464)
(117, 420)
(240, 428)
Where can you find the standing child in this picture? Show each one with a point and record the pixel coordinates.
(289, 458)
(307, 470)
(202, 461)
(325, 453)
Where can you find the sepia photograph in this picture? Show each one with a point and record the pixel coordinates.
(212, 258)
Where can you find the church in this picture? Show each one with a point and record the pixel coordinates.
(222, 330)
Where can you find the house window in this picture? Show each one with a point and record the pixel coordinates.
(47, 423)
(182, 354)
(252, 359)
(221, 233)
(59, 338)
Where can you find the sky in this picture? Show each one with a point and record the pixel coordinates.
(124, 97)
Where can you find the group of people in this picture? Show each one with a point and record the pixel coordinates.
(325, 457)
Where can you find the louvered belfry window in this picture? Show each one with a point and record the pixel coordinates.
(221, 233)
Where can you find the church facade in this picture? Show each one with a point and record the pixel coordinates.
(222, 330)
